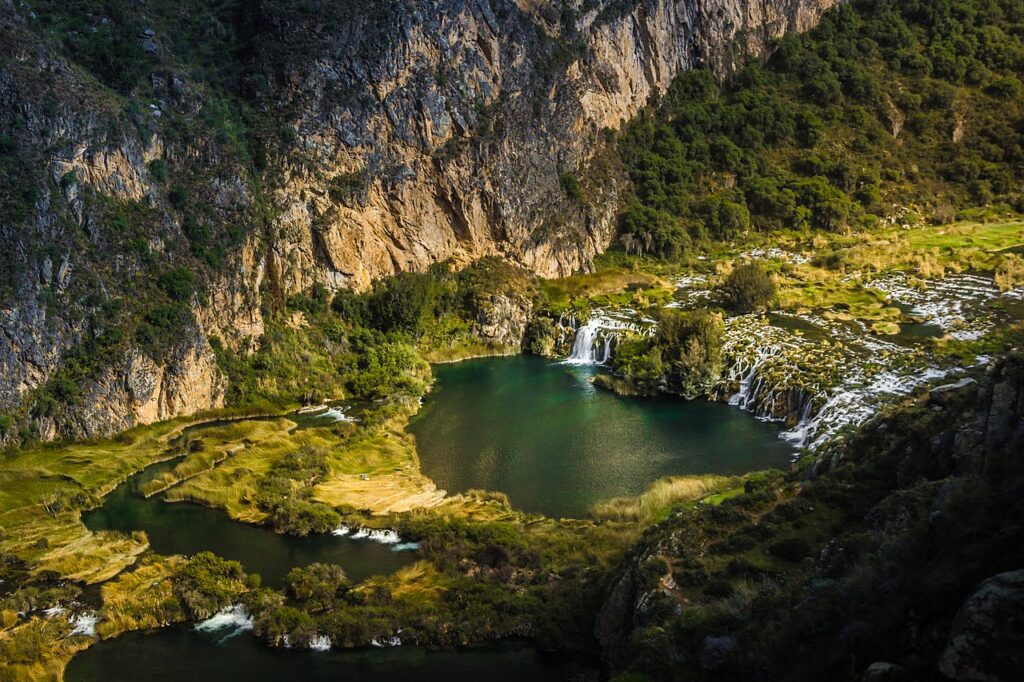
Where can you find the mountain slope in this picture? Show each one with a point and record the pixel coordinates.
(172, 171)
(887, 111)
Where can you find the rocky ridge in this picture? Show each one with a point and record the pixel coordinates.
(404, 133)
(955, 452)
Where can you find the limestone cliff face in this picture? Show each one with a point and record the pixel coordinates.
(457, 120)
(401, 133)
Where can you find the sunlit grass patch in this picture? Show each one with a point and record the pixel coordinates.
(143, 598)
(561, 292)
(655, 503)
(378, 473)
(38, 649)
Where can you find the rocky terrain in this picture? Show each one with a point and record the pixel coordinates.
(923, 495)
(265, 147)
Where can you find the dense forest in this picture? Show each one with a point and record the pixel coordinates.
(887, 110)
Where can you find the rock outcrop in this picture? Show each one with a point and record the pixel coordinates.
(336, 144)
(987, 641)
(931, 464)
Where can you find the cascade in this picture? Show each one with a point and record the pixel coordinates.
(583, 351)
(750, 395)
(595, 339)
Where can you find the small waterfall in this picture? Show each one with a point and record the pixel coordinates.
(608, 338)
(595, 340)
(584, 348)
(770, 401)
(746, 373)
(564, 323)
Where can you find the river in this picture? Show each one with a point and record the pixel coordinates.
(536, 430)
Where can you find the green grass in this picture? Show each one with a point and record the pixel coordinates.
(990, 237)
(563, 293)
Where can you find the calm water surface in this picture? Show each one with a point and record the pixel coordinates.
(539, 431)
(182, 528)
(529, 427)
(175, 654)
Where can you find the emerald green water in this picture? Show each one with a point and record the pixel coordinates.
(182, 528)
(540, 432)
(534, 429)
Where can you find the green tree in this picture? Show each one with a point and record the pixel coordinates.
(748, 287)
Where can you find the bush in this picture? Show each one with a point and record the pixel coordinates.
(790, 549)
(208, 584)
(319, 584)
(178, 284)
(571, 186)
(302, 517)
(691, 346)
(748, 287)
(158, 169)
(648, 231)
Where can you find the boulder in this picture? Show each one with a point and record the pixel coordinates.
(945, 394)
(986, 643)
(883, 671)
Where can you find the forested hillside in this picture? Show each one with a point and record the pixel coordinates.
(888, 110)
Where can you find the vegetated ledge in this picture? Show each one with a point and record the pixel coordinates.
(921, 505)
(538, 559)
(482, 349)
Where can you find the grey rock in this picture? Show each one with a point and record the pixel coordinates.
(715, 651)
(1002, 413)
(882, 671)
(943, 395)
(986, 643)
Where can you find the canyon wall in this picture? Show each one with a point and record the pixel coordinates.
(338, 143)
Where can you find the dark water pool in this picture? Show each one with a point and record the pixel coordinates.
(539, 431)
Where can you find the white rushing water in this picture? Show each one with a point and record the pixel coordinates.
(595, 338)
(335, 414)
(384, 536)
(84, 624)
(393, 640)
(819, 374)
(228, 622)
(954, 303)
(320, 643)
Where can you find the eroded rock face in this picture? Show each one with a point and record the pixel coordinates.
(410, 132)
(141, 391)
(503, 320)
(457, 134)
(987, 640)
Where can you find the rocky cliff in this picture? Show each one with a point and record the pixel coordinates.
(265, 146)
(894, 556)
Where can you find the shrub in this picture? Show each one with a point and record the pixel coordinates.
(302, 517)
(691, 346)
(158, 170)
(748, 287)
(571, 186)
(790, 549)
(208, 584)
(178, 197)
(317, 583)
(179, 284)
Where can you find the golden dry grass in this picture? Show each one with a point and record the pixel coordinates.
(655, 502)
(395, 483)
(143, 598)
(38, 649)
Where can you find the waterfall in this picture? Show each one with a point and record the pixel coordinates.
(746, 373)
(595, 339)
(608, 338)
(584, 347)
